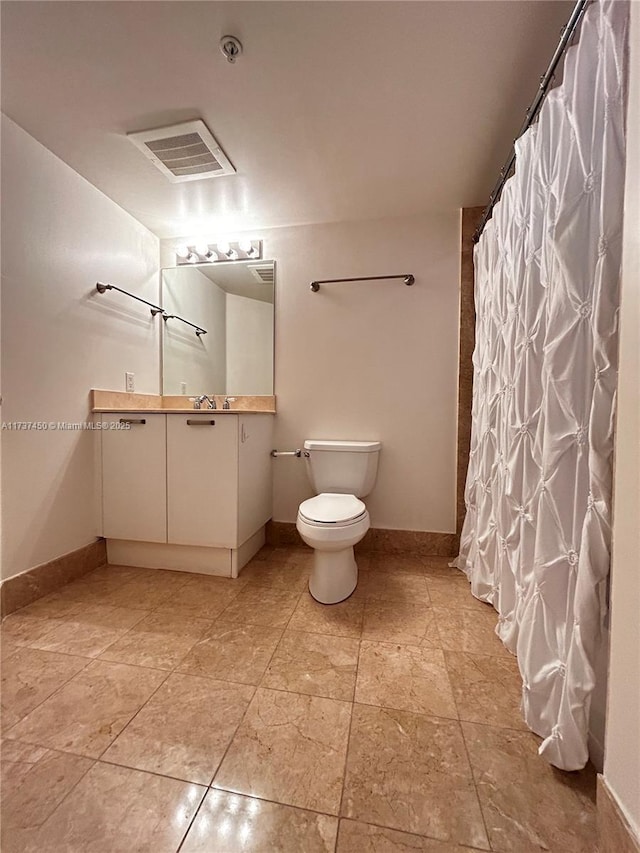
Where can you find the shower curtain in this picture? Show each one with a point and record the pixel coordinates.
(536, 538)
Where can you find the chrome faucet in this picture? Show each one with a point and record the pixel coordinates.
(226, 404)
(211, 402)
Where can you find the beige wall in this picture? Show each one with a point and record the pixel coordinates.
(622, 743)
(372, 360)
(59, 339)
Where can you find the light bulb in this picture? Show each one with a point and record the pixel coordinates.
(224, 248)
(192, 258)
(212, 256)
(182, 251)
(232, 255)
(245, 246)
(201, 249)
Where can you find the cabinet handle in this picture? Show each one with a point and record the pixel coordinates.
(133, 420)
(200, 422)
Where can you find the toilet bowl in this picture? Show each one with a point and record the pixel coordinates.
(332, 524)
(336, 519)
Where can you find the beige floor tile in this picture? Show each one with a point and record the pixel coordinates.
(124, 586)
(142, 589)
(52, 606)
(409, 678)
(527, 804)
(233, 652)
(287, 576)
(184, 729)
(470, 631)
(454, 592)
(160, 640)
(259, 606)
(16, 760)
(487, 689)
(30, 625)
(338, 620)
(89, 711)
(29, 676)
(356, 837)
(151, 590)
(291, 749)
(439, 567)
(407, 564)
(400, 622)
(87, 631)
(389, 586)
(237, 824)
(314, 664)
(295, 556)
(118, 810)
(264, 553)
(203, 597)
(410, 772)
(97, 586)
(28, 804)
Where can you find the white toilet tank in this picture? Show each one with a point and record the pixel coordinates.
(342, 467)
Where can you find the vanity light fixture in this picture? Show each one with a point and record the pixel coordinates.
(228, 251)
(248, 248)
(207, 253)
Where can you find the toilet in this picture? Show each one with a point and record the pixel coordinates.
(341, 472)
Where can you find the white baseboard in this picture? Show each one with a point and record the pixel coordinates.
(221, 562)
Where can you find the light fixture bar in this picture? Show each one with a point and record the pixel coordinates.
(219, 252)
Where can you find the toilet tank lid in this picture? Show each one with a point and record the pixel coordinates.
(350, 446)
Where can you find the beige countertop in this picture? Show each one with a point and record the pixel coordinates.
(144, 410)
(115, 402)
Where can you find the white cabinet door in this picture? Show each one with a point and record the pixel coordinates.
(255, 474)
(202, 479)
(134, 478)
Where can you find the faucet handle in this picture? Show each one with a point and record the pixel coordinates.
(227, 402)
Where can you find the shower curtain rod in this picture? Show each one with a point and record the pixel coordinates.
(545, 81)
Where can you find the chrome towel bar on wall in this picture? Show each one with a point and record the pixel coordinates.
(101, 287)
(408, 279)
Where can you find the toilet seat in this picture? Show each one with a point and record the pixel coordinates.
(332, 510)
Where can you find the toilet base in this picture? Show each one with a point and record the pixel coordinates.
(334, 575)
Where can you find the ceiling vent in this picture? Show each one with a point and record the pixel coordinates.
(183, 152)
(265, 273)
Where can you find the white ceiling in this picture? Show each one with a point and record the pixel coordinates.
(335, 111)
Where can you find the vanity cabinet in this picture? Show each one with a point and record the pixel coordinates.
(190, 491)
(202, 480)
(134, 477)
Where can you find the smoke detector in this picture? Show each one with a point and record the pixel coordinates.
(183, 152)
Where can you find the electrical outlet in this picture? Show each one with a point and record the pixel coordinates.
(129, 384)
(183, 388)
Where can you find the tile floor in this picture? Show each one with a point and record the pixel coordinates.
(155, 711)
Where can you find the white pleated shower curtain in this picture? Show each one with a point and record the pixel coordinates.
(536, 538)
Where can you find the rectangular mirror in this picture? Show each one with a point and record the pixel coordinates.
(234, 303)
